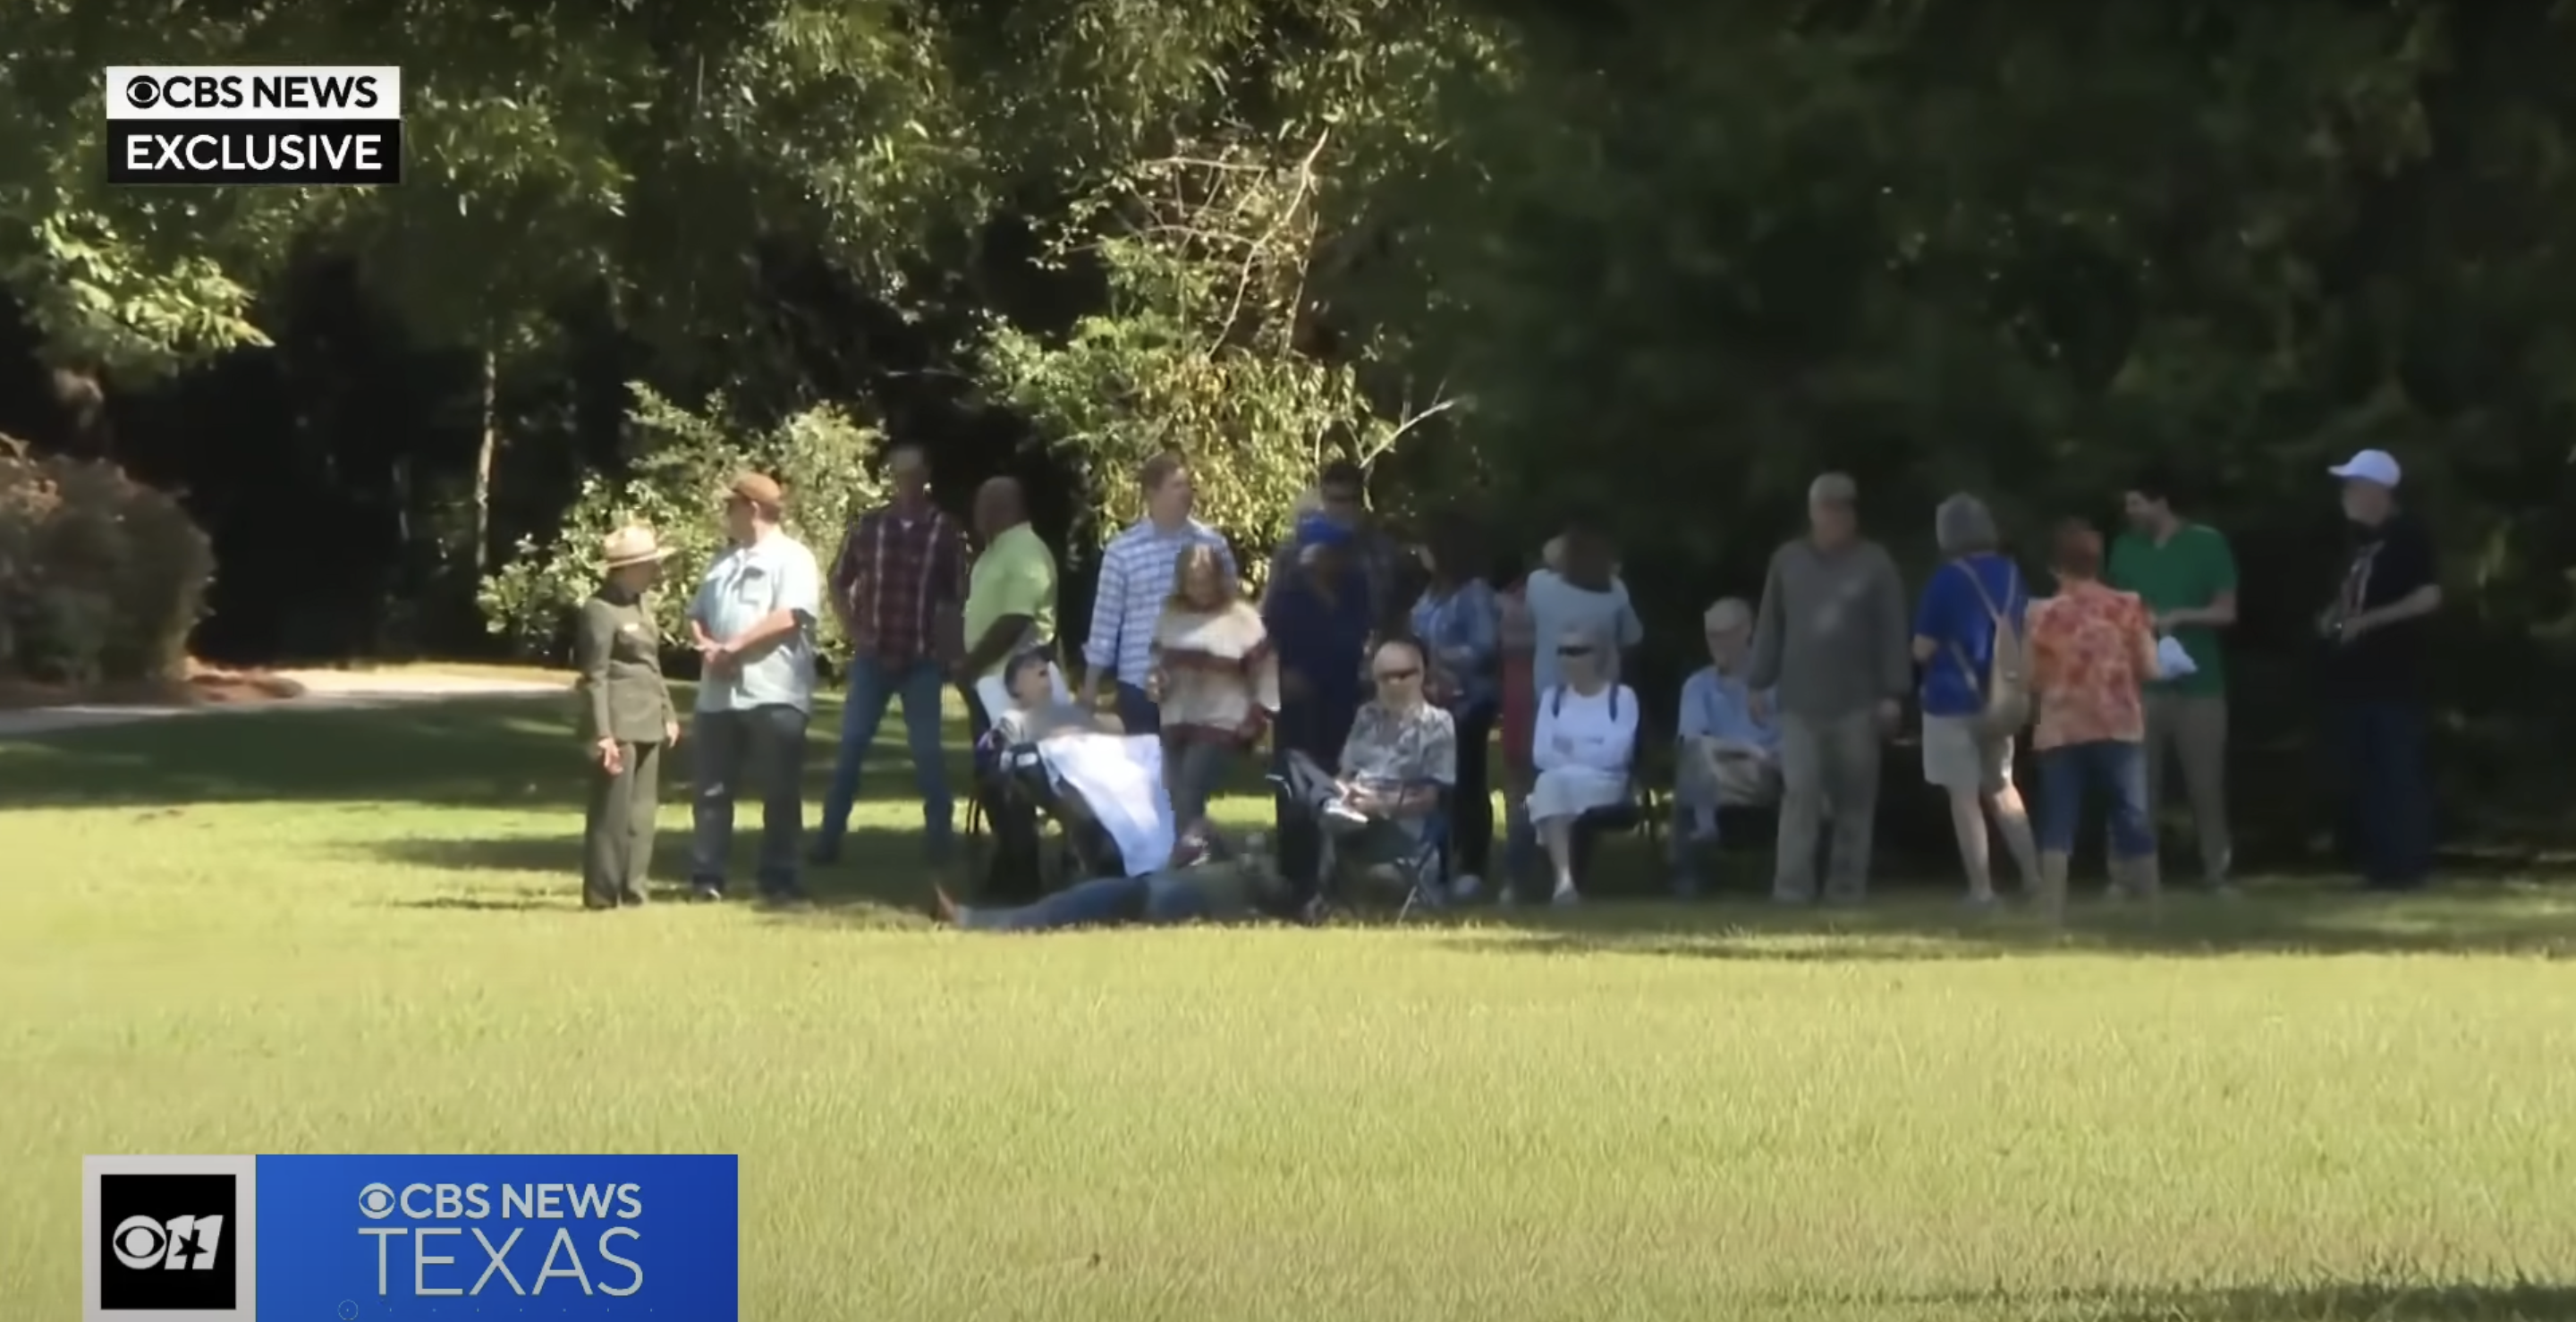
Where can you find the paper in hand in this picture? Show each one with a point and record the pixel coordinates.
(2172, 662)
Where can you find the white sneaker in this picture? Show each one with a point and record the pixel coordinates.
(1466, 887)
(1565, 896)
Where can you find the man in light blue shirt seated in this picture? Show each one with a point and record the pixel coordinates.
(1728, 744)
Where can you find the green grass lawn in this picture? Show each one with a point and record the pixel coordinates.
(301, 932)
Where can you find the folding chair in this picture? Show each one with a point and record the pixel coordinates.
(1079, 851)
(1423, 869)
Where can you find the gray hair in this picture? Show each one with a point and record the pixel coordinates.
(1833, 489)
(1731, 613)
(1964, 525)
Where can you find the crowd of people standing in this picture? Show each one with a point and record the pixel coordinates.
(1398, 686)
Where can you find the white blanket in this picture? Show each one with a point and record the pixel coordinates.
(1121, 777)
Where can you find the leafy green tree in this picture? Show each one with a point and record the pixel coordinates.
(825, 458)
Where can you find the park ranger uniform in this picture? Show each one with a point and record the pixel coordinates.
(619, 651)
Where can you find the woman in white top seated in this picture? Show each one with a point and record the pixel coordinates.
(1585, 738)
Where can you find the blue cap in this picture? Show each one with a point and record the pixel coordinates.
(1320, 530)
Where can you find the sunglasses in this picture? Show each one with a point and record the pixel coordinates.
(1384, 675)
(1574, 651)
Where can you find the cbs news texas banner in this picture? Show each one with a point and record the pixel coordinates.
(419, 1238)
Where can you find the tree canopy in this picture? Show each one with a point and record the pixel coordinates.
(1654, 263)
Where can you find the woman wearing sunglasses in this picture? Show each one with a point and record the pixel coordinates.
(1583, 746)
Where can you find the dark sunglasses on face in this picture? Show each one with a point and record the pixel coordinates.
(1574, 651)
(1395, 675)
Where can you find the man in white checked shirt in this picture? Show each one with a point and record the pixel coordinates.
(1135, 581)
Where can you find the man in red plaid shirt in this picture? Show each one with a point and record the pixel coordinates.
(899, 585)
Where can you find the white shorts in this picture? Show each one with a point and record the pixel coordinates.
(1957, 757)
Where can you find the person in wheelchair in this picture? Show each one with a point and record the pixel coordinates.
(1584, 745)
(1206, 882)
(1014, 781)
(1398, 763)
(1038, 710)
(1727, 745)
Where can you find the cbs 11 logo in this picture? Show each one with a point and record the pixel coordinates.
(180, 1243)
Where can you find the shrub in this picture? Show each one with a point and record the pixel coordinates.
(825, 459)
(101, 577)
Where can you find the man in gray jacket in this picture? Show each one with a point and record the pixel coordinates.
(1832, 636)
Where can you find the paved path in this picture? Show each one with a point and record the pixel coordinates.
(324, 690)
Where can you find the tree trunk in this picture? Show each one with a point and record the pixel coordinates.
(484, 453)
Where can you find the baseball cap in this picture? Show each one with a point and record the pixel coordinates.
(759, 489)
(2373, 466)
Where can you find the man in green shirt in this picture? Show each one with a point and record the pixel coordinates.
(2187, 577)
(1010, 598)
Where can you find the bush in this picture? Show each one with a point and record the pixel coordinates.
(825, 459)
(101, 577)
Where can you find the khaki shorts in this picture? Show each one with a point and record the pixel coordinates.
(1956, 757)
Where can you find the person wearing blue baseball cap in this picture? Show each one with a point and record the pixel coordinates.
(2378, 636)
(1320, 618)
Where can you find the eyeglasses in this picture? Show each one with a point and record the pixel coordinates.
(1387, 676)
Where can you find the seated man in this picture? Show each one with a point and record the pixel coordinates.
(1205, 883)
(1583, 745)
(1728, 744)
(1038, 710)
(1400, 757)
(1040, 707)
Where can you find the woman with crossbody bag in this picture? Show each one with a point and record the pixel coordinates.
(1968, 642)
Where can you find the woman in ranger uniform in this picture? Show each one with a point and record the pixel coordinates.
(627, 719)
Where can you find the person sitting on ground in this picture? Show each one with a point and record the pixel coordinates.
(1584, 743)
(1728, 742)
(1213, 675)
(1206, 882)
(1400, 758)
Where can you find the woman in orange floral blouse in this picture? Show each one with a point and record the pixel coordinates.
(2092, 648)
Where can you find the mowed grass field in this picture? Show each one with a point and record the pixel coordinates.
(309, 932)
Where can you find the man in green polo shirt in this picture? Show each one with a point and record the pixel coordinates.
(2187, 577)
(1010, 595)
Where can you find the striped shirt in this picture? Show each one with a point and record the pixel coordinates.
(1135, 581)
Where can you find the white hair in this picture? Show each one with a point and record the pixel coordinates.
(1729, 613)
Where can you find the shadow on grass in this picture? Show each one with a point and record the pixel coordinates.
(2516, 1302)
(512, 752)
(2524, 919)
(881, 879)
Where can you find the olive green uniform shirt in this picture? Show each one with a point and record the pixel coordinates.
(618, 649)
(2188, 571)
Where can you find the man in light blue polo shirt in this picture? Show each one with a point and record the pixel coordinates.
(753, 624)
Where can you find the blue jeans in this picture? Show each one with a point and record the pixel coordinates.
(2117, 766)
(920, 686)
(1196, 771)
(1099, 902)
(1137, 712)
(2388, 790)
(767, 744)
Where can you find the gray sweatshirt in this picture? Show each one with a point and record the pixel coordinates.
(1832, 633)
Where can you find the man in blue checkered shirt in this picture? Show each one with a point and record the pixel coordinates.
(1135, 581)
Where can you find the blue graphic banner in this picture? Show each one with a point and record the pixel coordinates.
(564, 1238)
